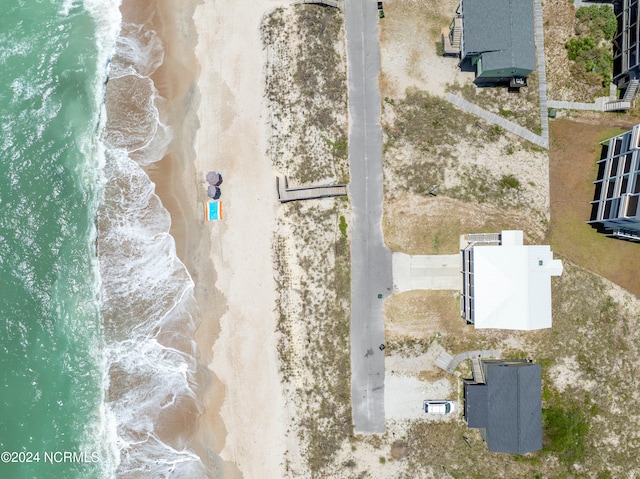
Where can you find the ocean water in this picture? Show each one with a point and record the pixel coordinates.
(96, 311)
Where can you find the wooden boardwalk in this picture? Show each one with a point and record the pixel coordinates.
(577, 105)
(286, 194)
(602, 103)
(542, 72)
(450, 363)
(497, 120)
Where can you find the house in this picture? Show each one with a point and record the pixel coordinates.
(506, 284)
(498, 40)
(626, 55)
(614, 209)
(506, 406)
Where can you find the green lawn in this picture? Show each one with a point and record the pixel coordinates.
(573, 153)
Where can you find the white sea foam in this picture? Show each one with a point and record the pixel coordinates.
(146, 293)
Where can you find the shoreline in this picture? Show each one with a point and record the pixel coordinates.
(214, 104)
(176, 184)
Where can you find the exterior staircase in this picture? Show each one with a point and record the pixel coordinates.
(483, 238)
(626, 102)
(478, 371)
(452, 37)
(632, 90)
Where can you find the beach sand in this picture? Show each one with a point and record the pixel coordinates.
(233, 140)
(219, 123)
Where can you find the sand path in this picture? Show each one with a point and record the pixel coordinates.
(233, 140)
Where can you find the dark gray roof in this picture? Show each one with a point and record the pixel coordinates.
(508, 408)
(475, 403)
(514, 407)
(504, 29)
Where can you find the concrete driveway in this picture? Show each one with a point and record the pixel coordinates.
(435, 272)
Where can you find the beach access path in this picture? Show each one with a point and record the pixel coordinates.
(370, 259)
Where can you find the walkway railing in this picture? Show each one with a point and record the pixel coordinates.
(450, 363)
(307, 192)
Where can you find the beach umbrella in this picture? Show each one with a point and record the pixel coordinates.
(213, 192)
(214, 178)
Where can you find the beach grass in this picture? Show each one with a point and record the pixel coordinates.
(307, 100)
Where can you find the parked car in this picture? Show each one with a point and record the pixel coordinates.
(438, 406)
(380, 10)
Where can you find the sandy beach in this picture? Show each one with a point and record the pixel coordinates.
(212, 77)
(232, 139)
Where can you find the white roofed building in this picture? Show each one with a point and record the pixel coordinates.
(506, 284)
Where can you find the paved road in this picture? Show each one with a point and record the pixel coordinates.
(370, 259)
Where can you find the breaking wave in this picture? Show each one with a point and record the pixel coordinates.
(146, 294)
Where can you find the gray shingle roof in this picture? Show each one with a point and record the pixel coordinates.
(476, 410)
(509, 407)
(504, 29)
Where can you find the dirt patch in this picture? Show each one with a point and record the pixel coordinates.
(574, 149)
(421, 314)
(408, 37)
(416, 224)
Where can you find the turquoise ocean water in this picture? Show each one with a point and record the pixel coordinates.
(96, 356)
(50, 355)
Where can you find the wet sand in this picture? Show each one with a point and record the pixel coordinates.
(177, 186)
(212, 77)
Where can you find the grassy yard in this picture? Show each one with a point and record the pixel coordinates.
(574, 149)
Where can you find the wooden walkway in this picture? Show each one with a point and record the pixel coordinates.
(577, 105)
(450, 363)
(477, 371)
(602, 103)
(307, 192)
(497, 120)
(542, 72)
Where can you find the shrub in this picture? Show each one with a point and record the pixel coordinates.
(343, 227)
(596, 26)
(509, 182)
(576, 47)
(597, 20)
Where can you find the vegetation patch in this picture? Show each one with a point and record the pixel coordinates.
(478, 184)
(565, 430)
(430, 123)
(306, 93)
(590, 50)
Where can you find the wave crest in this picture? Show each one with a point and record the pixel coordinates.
(147, 297)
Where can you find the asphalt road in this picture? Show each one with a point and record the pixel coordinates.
(370, 259)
